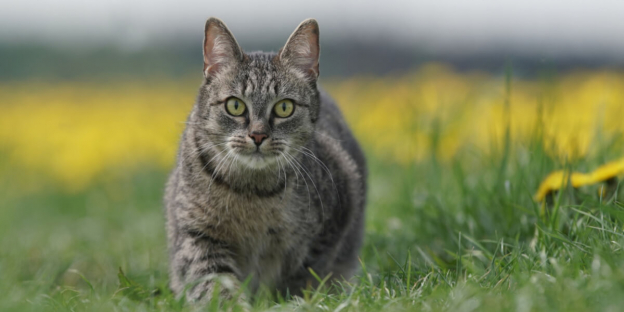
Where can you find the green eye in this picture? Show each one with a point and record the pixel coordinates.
(284, 108)
(235, 106)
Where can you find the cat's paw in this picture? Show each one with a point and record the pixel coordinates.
(222, 287)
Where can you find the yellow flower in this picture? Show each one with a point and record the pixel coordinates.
(559, 179)
(78, 132)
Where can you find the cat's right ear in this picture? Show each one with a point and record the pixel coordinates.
(302, 49)
(221, 51)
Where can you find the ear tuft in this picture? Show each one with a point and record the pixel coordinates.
(302, 50)
(221, 51)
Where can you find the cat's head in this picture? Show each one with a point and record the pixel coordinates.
(257, 107)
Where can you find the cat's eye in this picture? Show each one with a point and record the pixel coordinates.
(284, 108)
(235, 106)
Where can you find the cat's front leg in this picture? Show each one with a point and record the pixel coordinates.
(200, 262)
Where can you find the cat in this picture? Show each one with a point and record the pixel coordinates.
(269, 181)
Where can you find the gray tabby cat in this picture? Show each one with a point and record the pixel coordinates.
(269, 181)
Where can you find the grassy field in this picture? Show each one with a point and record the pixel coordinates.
(452, 224)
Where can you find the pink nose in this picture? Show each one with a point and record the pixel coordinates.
(258, 137)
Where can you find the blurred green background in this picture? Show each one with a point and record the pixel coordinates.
(463, 110)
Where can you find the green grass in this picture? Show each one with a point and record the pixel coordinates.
(463, 235)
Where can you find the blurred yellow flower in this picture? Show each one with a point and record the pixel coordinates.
(76, 132)
(559, 179)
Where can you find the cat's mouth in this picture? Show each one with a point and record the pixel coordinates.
(258, 156)
(257, 159)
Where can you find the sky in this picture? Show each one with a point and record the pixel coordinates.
(538, 27)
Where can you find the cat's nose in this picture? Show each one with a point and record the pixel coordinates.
(258, 137)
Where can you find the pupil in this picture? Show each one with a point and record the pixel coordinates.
(236, 105)
(284, 106)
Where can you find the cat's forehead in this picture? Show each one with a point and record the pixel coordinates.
(261, 79)
(259, 76)
(261, 61)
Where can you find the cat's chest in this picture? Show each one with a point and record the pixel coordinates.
(260, 229)
(253, 219)
(264, 230)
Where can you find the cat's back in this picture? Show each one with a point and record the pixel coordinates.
(342, 182)
(332, 130)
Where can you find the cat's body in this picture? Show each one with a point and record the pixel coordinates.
(255, 194)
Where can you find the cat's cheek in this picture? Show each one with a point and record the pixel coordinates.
(229, 124)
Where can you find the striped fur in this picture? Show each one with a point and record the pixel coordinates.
(299, 205)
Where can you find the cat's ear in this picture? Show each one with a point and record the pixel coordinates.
(221, 50)
(302, 50)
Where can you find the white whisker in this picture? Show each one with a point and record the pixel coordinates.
(285, 175)
(297, 172)
(218, 168)
(313, 184)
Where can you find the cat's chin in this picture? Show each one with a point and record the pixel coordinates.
(257, 161)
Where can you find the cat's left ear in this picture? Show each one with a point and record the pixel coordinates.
(302, 50)
(221, 50)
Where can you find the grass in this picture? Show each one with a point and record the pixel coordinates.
(456, 236)
(450, 227)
